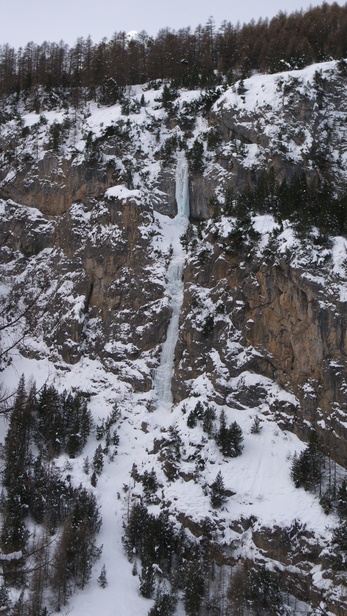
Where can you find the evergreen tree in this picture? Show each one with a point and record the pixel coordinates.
(78, 424)
(235, 440)
(191, 419)
(229, 439)
(208, 421)
(150, 484)
(39, 490)
(14, 534)
(50, 495)
(199, 410)
(217, 495)
(195, 157)
(135, 529)
(164, 605)
(222, 436)
(237, 590)
(256, 425)
(98, 460)
(263, 592)
(63, 422)
(17, 441)
(50, 428)
(102, 579)
(342, 500)
(86, 465)
(339, 541)
(306, 469)
(172, 454)
(147, 581)
(76, 551)
(194, 589)
(168, 96)
(153, 537)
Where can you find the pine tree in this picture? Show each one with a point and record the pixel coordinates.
(236, 440)
(135, 529)
(39, 490)
(76, 551)
(164, 605)
(339, 541)
(98, 460)
(147, 581)
(194, 589)
(172, 452)
(168, 96)
(306, 469)
(208, 421)
(237, 590)
(342, 501)
(77, 423)
(150, 484)
(86, 465)
(17, 442)
(217, 495)
(102, 579)
(14, 534)
(50, 433)
(199, 410)
(195, 157)
(222, 436)
(229, 439)
(191, 419)
(256, 425)
(263, 592)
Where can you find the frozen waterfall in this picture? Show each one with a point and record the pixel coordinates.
(164, 372)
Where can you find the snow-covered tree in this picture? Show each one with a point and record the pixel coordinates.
(229, 439)
(102, 579)
(217, 494)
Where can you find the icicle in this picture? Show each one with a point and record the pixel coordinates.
(164, 373)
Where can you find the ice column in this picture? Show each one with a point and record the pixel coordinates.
(164, 372)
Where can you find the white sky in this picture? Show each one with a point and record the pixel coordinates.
(52, 20)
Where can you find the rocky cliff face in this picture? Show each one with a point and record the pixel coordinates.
(280, 312)
(84, 257)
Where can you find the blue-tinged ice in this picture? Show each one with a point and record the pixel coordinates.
(164, 373)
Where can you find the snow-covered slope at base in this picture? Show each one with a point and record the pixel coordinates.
(259, 478)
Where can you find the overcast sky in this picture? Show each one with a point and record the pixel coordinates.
(52, 20)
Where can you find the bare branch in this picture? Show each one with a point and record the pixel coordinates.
(25, 312)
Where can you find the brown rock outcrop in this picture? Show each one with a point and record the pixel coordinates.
(282, 313)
